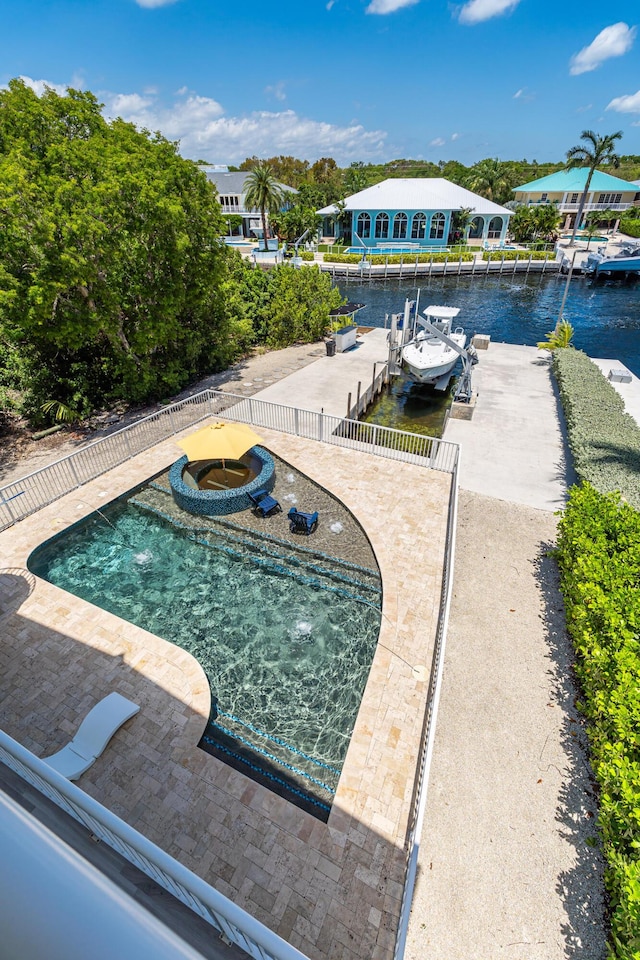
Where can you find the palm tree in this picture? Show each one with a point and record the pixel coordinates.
(491, 179)
(264, 193)
(595, 152)
(460, 223)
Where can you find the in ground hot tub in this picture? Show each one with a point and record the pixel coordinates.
(217, 487)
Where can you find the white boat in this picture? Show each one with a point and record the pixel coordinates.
(435, 347)
(626, 261)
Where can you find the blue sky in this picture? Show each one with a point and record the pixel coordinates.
(369, 80)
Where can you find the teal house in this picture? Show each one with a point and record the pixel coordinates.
(412, 213)
(564, 189)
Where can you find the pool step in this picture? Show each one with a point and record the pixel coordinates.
(279, 556)
(280, 762)
(161, 483)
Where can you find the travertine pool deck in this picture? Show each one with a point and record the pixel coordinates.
(333, 890)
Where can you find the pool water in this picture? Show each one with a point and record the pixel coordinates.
(286, 642)
(389, 251)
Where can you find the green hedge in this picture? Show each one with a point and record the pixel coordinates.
(520, 254)
(604, 440)
(630, 227)
(599, 558)
(306, 255)
(398, 258)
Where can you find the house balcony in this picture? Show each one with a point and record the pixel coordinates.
(574, 207)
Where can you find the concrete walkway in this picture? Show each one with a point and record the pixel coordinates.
(324, 387)
(513, 448)
(506, 869)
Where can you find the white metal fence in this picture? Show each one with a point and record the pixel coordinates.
(430, 719)
(226, 917)
(23, 497)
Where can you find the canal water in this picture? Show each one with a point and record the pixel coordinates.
(604, 314)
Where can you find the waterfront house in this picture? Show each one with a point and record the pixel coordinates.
(564, 190)
(231, 193)
(412, 212)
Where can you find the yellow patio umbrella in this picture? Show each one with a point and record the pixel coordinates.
(219, 441)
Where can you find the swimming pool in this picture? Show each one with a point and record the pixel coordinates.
(389, 251)
(285, 635)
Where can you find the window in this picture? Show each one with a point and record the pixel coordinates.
(476, 228)
(574, 198)
(495, 228)
(364, 226)
(418, 226)
(400, 226)
(382, 226)
(437, 226)
(544, 198)
(608, 198)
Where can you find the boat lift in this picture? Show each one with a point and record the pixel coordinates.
(469, 357)
(403, 331)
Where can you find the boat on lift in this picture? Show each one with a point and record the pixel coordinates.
(435, 347)
(626, 261)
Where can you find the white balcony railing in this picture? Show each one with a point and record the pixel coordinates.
(228, 919)
(567, 207)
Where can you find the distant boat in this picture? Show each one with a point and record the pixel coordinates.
(435, 348)
(624, 262)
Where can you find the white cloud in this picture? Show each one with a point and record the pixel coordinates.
(330, 4)
(455, 136)
(204, 132)
(276, 90)
(438, 142)
(627, 104)
(39, 86)
(524, 94)
(475, 11)
(152, 4)
(585, 108)
(613, 41)
(389, 6)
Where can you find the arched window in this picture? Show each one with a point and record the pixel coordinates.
(476, 228)
(400, 226)
(437, 226)
(495, 228)
(364, 226)
(418, 226)
(382, 226)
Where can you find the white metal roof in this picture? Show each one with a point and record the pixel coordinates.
(425, 193)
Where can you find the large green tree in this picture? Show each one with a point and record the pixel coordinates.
(290, 225)
(110, 259)
(263, 193)
(491, 178)
(594, 152)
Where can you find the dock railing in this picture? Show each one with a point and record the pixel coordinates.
(231, 921)
(23, 497)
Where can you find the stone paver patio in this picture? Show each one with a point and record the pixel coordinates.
(333, 890)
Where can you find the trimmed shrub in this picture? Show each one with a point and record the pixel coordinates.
(604, 440)
(520, 254)
(630, 227)
(397, 258)
(306, 255)
(599, 558)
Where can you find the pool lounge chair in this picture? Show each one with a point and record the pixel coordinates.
(264, 503)
(94, 733)
(300, 522)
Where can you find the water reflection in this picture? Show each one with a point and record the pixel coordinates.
(604, 314)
